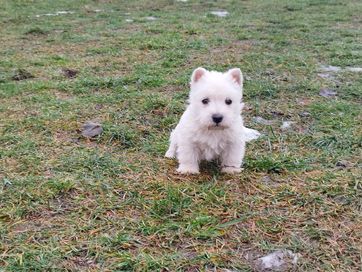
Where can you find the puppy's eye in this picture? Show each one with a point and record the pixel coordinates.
(205, 101)
(228, 101)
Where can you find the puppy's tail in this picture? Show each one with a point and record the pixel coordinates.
(250, 134)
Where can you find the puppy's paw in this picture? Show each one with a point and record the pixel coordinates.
(231, 169)
(188, 169)
(170, 154)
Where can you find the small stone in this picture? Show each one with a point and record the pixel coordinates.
(342, 200)
(247, 78)
(7, 182)
(343, 164)
(286, 125)
(91, 129)
(304, 114)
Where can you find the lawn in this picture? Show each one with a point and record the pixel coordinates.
(114, 203)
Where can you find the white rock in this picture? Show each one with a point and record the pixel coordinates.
(280, 260)
(220, 13)
(151, 18)
(330, 68)
(354, 69)
(63, 12)
(55, 14)
(129, 20)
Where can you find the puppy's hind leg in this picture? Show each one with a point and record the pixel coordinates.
(171, 152)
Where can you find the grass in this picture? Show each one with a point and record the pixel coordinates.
(115, 204)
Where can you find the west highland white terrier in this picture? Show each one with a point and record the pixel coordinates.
(212, 126)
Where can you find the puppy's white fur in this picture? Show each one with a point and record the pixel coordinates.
(199, 135)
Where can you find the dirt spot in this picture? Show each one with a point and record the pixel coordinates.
(277, 113)
(61, 136)
(235, 46)
(228, 53)
(36, 31)
(158, 112)
(62, 96)
(21, 74)
(304, 101)
(98, 106)
(84, 262)
(344, 164)
(70, 73)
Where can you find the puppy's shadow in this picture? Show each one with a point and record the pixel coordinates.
(210, 167)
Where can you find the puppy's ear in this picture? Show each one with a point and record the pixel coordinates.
(198, 74)
(236, 76)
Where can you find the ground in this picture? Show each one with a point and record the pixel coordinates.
(114, 202)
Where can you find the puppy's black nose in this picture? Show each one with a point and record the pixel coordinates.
(217, 118)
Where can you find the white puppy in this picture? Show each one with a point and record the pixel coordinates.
(212, 127)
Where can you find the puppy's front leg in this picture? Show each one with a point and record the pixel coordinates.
(232, 158)
(188, 157)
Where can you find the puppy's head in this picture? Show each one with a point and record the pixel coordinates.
(215, 98)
